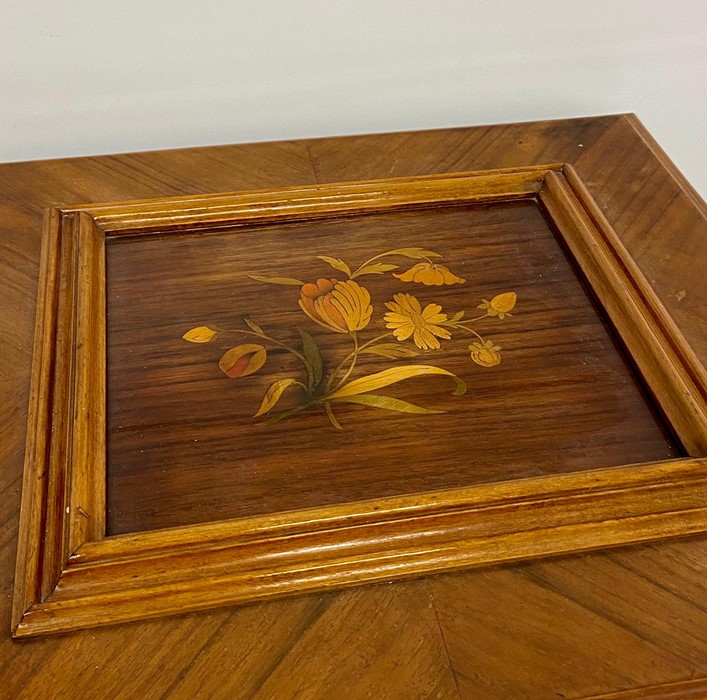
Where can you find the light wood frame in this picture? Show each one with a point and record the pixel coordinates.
(71, 576)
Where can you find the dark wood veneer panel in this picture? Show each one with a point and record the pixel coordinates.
(183, 447)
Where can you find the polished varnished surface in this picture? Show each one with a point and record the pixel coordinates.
(184, 447)
(574, 627)
(70, 577)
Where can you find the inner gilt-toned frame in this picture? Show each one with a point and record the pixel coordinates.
(71, 576)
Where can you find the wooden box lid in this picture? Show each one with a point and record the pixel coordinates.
(246, 395)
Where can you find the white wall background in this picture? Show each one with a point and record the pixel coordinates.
(100, 76)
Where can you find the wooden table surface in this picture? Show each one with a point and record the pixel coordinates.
(629, 622)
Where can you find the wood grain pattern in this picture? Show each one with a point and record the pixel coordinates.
(87, 501)
(627, 297)
(240, 561)
(29, 584)
(650, 210)
(183, 445)
(212, 211)
(693, 689)
(310, 557)
(662, 229)
(583, 637)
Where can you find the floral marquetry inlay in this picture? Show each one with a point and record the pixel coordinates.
(413, 326)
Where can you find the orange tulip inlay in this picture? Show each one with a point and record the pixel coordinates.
(339, 306)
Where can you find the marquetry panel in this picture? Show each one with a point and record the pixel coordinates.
(265, 393)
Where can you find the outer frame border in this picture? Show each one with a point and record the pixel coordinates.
(70, 576)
